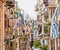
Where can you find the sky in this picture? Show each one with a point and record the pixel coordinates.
(28, 6)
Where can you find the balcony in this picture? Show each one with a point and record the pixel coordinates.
(9, 4)
(14, 14)
(8, 29)
(45, 2)
(52, 3)
(7, 39)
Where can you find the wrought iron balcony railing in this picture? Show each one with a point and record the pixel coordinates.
(9, 4)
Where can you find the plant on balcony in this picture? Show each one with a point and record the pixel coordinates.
(22, 37)
(8, 29)
(36, 44)
(45, 28)
(45, 47)
(49, 26)
(15, 14)
(48, 22)
(12, 47)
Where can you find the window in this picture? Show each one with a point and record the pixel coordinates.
(46, 2)
(43, 42)
(11, 11)
(40, 29)
(6, 21)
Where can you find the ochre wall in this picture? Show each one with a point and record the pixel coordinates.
(1, 25)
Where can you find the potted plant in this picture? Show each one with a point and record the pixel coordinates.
(8, 29)
(47, 26)
(37, 45)
(22, 37)
(45, 47)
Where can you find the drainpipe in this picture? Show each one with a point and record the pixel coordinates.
(3, 47)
